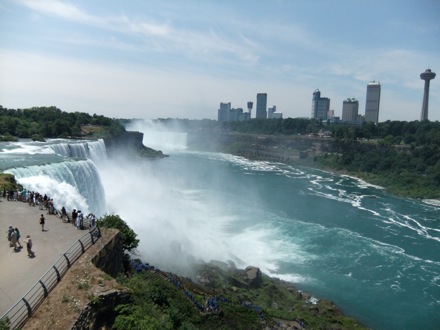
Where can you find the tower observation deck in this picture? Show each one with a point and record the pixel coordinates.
(426, 76)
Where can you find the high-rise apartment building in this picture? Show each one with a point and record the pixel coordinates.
(372, 102)
(261, 106)
(350, 109)
(320, 106)
(223, 112)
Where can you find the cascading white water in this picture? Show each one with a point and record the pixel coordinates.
(72, 180)
(94, 150)
(72, 184)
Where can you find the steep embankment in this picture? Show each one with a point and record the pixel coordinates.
(130, 144)
(280, 148)
(409, 171)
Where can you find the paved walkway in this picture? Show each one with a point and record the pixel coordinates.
(18, 272)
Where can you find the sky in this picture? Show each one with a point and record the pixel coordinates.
(180, 59)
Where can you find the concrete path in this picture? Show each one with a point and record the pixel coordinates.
(18, 272)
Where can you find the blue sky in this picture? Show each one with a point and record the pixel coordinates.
(180, 59)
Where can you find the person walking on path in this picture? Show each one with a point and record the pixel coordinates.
(14, 240)
(17, 232)
(28, 242)
(10, 230)
(42, 220)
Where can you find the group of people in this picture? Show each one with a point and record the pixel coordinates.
(32, 198)
(14, 241)
(44, 202)
(78, 219)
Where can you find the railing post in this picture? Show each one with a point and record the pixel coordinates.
(68, 261)
(29, 309)
(82, 246)
(46, 293)
(58, 273)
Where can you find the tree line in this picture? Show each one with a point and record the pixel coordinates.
(50, 122)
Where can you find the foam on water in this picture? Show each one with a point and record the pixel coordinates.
(167, 214)
(63, 193)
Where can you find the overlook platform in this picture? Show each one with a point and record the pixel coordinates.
(18, 272)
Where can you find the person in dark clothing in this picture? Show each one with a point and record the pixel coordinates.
(42, 221)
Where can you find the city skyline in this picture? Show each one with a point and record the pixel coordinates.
(176, 59)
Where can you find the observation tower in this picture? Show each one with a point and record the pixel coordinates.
(426, 76)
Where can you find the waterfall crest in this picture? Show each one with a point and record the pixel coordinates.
(94, 150)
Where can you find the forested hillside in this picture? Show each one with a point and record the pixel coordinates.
(50, 122)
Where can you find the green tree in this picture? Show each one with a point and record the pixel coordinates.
(129, 240)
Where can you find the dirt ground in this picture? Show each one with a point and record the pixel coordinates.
(82, 283)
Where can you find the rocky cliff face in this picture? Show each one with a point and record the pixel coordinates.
(130, 144)
(268, 147)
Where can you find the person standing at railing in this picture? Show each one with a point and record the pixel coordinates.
(64, 216)
(74, 217)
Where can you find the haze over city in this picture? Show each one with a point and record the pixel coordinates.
(180, 59)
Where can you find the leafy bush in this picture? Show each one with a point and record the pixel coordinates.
(129, 240)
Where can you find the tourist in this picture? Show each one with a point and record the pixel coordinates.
(9, 231)
(42, 220)
(64, 214)
(92, 221)
(80, 221)
(51, 207)
(28, 242)
(40, 202)
(13, 240)
(17, 232)
(74, 217)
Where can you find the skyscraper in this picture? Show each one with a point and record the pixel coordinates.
(261, 106)
(320, 106)
(372, 102)
(350, 109)
(223, 112)
(426, 76)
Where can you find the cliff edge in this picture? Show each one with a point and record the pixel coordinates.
(130, 144)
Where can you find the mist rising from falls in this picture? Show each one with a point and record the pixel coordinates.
(178, 207)
(167, 138)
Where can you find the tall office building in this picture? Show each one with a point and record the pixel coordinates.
(261, 106)
(372, 102)
(350, 109)
(320, 106)
(223, 112)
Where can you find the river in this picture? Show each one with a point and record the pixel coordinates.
(374, 254)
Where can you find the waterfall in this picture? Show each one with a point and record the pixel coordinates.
(94, 150)
(73, 184)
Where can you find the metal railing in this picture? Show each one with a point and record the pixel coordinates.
(23, 309)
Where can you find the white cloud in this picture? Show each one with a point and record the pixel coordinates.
(59, 9)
